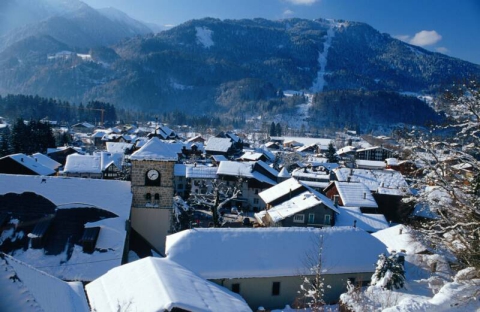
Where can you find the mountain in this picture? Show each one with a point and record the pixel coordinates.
(70, 21)
(237, 68)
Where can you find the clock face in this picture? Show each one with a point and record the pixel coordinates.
(152, 174)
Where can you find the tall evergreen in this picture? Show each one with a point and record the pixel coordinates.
(273, 129)
(332, 158)
(278, 129)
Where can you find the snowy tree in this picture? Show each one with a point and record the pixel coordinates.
(389, 272)
(331, 153)
(223, 193)
(312, 289)
(452, 165)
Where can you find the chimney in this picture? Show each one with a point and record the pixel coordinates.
(400, 231)
(349, 178)
(364, 195)
(354, 223)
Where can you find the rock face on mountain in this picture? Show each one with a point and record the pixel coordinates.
(230, 67)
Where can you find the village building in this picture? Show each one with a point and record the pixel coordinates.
(268, 272)
(100, 165)
(254, 178)
(25, 165)
(25, 288)
(378, 153)
(352, 194)
(158, 284)
(73, 229)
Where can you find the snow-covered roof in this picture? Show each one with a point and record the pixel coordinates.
(218, 144)
(389, 182)
(303, 140)
(245, 170)
(25, 288)
(77, 163)
(118, 147)
(279, 190)
(251, 156)
(46, 161)
(392, 238)
(345, 150)
(304, 173)
(370, 164)
(269, 252)
(366, 221)
(32, 164)
(158, 284)
(296, 204)
(84, 125)
(354, 194)
(284, 173)
(201, 172)
(155, 149)
(372, 148)
(67, 193)
(391, 161)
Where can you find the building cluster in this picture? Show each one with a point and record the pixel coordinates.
(84, 213)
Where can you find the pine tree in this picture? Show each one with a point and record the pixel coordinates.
(278, 129)
(332, 158)
(273, 130)
(5, 143)
(390, 272)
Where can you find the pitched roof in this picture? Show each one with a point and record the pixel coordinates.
(25, 288)
(157, 284)
(297, 204)
(284, 173)
(389, 182)
(77, 163)
(280, 190)
(31, 163)
(270, 252)
(118, 147)
(215, 144)
(46, 161)
(245, 170)
(366, 221)
(70, 193)
(155, 149)
(354, 194)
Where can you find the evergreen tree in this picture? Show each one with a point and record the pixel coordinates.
(19, 136)
(390, 272)
(278, 129)
(5, 143)
(273, 129)
(332, 158)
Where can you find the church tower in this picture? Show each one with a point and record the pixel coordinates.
(153, 191)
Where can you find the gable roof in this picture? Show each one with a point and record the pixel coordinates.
(155, 149)
(280, 190)
(215, 144)
(31, 163)
(157, 284)
(366, 221)
(246, 170)
(46, 161)
(297, 204)
(388, 182)
(270, 252)
(70, 193)
(355, 194)
(118, 147)
(25, 288)
(77, 163)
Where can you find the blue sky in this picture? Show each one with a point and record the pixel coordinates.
(447, 26)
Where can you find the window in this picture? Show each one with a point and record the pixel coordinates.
(311, 218)
(299, 218)
(327, 219)
(256, 191)
(236, 288)
(276, 288)
(157, 198)
(255, 201)
(148, 197)
(180, 186)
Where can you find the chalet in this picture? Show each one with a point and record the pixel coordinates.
(25, 288)
(378, 153)
(370, 164)
(60, 154)
(98, 138)
(346, 152)
(269, 271)
(196, 139)
(309, 149)
(100, 165)
(283, 175)
(220, 146)
(237, 141)
(387, 186)
(272, 145)
(119, 148)
(352, 194)
(83, 127)
(49, 216)
(164, 133)
(316, 177)
(255, 176)
(25, 165)
(158, 284)
(200, 178)
(252, 156)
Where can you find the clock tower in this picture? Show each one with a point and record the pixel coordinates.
(153, 191)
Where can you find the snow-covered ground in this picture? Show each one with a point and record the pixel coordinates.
(319, 83)
(204, 36)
